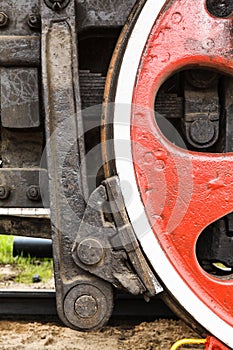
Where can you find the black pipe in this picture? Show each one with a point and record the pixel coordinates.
(35, 247)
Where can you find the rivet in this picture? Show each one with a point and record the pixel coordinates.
(176, 17)
(4, 19)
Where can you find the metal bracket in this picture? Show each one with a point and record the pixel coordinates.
(62, 104)
(83, 301)
(106, 245)
(201, 117)
(23, 188)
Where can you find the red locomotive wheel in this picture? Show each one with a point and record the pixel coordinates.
(172, 194)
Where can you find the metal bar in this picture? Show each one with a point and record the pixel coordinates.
(43, 303)
(26, 212)
(32, 226)
(27, 303)
(23, 188)
(63, 125)
(35, 247)
(20, 51)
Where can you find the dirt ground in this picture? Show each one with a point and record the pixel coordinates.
(44, 334)
(156, 335)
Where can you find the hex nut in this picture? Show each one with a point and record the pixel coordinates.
(33, 193)
(4, 192)
(34, 21)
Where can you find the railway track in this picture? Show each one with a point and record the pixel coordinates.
(42, 303)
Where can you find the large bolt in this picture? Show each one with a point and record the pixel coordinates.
(89, 304)
(4, 192)
(90, 251)
(34, 21)
(86, 306)
(57, 5)
(4, 19)
(33, 193)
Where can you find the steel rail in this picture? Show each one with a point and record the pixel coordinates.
(24, 303)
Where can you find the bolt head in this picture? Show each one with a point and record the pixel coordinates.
(202, 131)
(90, 251)
(34, 21)
(86, 306)
(57, 5)
(4, 19)
(220, 8)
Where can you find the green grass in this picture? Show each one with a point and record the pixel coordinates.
(6, 248)
(26, 267)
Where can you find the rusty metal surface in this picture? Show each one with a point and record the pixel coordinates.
(62, 103)
(65, 149)
(17, 12)
(22, 185)
(127, 238)
(108, 13)
(105, 250)
(29, 227)
(19, 98)
(19, 47)
(19, 50)
(21, 149)
(79, 294)
(114, 66)
(90, 13)
(201, 108)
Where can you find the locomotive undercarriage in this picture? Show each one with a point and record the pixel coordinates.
(135, 193)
